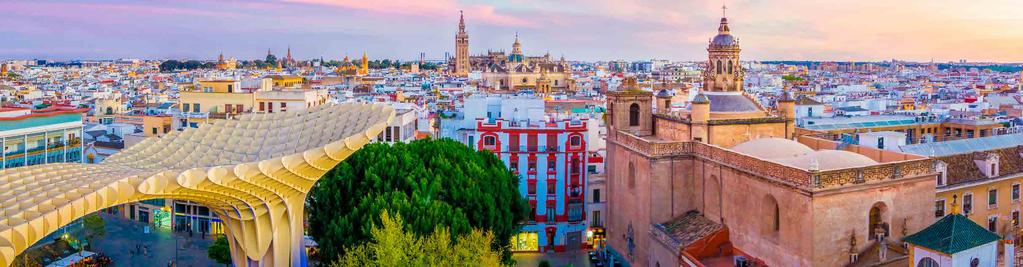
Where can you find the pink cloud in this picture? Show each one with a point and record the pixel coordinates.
(437, 9)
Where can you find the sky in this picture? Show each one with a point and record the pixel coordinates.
(590, 30)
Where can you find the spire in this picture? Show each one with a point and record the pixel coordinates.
(289, 53)
(461, 22)
(268, 52)
(723, 28)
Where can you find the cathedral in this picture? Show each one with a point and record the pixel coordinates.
(513, 71)
(726, 178)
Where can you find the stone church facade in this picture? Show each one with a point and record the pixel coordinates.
(724, 177)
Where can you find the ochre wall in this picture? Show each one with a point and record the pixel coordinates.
(840, 212)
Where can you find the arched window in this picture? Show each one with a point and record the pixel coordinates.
(771, 213)
(719, 66)
(729, 67)
(634, 114)
(632, 175)
(927, 262)
(575, 141)
(878, 217)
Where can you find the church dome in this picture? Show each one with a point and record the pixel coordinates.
(772, 148)
(723, 40)
(828, 160)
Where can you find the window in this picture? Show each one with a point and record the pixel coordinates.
(154, 130)
(939, 208)
(632, 176)
(634, 114)
(729, 67)
(527, 241)
(992, 223)
(719, 66)
(994, 169)
(880, 143)
(185, 107)
(772, 216)
(262, 106)
(596, 195)
(532, 189)
(940, 178)
(595, 221)
(531, 165)
(532, 208)
(228, 108)
(575, 166)
(551, 188)
(967, 203)
(1015, 218)
(489, 141)
(575, 212)
(551, 165)
(230, 88)
(550, 214)
(927, 262)
(992, 198)
(284, 106)
(270, 107)
(195, 107)
(575, 141)
(239, 108)
(1015, 192)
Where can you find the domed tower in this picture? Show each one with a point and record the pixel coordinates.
(516, 53)
(723, 73)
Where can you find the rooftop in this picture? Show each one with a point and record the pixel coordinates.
(684, 230)
(952, 234)
(962, 146)
(824, 124)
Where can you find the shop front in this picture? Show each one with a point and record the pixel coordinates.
(595, 238)
(525, 242)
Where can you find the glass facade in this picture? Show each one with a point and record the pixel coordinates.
(525, 241)
(42, 147)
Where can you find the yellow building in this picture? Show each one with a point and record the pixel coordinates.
(985, 181)
(156, 125)
(229, 64)
(219, 99)
(283, 81)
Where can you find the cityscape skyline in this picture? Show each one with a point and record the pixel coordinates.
(606, 30)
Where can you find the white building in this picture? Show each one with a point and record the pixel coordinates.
(955, 241)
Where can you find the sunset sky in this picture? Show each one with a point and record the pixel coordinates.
(862, 30)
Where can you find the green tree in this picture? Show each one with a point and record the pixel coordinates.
(220, 251)
(95, 227)
(391, 245)
(271, 60)
(431, 183)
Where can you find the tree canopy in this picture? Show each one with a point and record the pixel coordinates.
(220, 251)
(174, 65)
(95, 227)
(431, 183)
(391, 245)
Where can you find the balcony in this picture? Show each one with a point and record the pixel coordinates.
(533, 148)
(191, 115)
